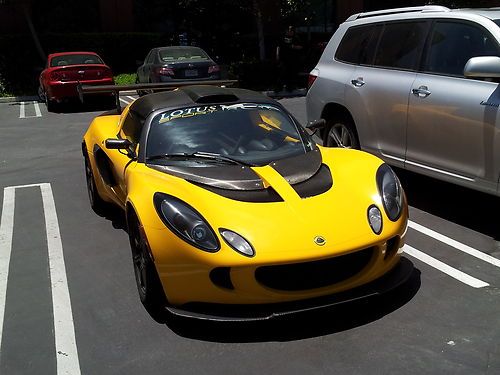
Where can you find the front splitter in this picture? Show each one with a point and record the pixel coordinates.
(245, 313)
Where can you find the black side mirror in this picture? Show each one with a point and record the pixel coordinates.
(117, 144)
(139, 62)
(316, 124)
(121, 144)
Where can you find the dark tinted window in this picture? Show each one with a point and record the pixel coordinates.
(454, 43)
(174, 54)
(131, 128)
(358, 45)
(400, 45)
(73, 59)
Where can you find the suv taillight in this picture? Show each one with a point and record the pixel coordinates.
(311, 79)
(163, 71)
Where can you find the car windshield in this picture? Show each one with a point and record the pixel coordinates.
(179, 54)
(249, 133)
(75, 59)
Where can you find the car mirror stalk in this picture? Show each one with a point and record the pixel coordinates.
(121, 145)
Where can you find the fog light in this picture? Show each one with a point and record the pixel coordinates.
(237, 242)
(375, 219)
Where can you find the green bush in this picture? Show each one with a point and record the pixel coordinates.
(125, 78)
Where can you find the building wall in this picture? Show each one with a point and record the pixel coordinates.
(116, 15)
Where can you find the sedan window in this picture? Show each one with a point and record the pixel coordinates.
(178, 54)
(75, 59)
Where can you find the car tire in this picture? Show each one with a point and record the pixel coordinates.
(49, 103)
(41, 94)
(99, 206)
(345, 132)
(148, 282)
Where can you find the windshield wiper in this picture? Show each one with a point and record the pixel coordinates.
(199, 155)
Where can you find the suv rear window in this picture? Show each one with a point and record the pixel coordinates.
(401, 45)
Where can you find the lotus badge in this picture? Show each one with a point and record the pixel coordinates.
(320, 241)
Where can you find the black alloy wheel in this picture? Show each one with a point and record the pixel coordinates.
(148, 283)
(96, 202)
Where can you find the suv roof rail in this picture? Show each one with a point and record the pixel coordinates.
(422, 9)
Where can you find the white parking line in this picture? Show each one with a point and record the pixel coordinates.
(64, 331)
(457, 245)
(443, 267)
(22, 110)
(131, 97)
(6, 232)
(37, 109)
(124, 101)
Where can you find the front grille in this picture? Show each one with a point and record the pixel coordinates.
(317, 274)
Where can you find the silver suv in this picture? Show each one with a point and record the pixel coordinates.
(418, 87)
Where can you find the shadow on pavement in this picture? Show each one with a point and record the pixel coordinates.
(465, 207)
(301, 326)
(92, 104)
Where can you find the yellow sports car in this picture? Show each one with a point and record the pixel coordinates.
(233, 211)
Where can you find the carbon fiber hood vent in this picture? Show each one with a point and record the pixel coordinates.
(305, 173)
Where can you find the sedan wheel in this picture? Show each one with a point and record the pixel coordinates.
(49, 103)
(341, 134)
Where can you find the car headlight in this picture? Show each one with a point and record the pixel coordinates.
(237, 242)
(185, 222)
(390, 191)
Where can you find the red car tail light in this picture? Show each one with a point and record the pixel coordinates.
(57, 76)
(213, 69)
(106, 73)
(163, 71)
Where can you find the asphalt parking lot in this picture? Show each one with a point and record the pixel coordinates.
(69, 304)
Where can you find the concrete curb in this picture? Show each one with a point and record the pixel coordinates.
(10, 99)
(271, 94)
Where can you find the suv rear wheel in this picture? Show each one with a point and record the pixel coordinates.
(340, 133)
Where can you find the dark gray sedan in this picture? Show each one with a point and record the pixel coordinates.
(168, 64)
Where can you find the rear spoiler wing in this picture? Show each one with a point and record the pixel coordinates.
(116, 89)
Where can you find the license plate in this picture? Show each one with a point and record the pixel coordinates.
(191, 73)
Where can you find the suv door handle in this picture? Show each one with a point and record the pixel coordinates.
(358, 82)
(421, 92)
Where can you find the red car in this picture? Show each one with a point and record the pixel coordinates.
(63, 72)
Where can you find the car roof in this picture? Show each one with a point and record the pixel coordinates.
(188, 96)
(491, 13)
(409, 12)
(181, 47)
